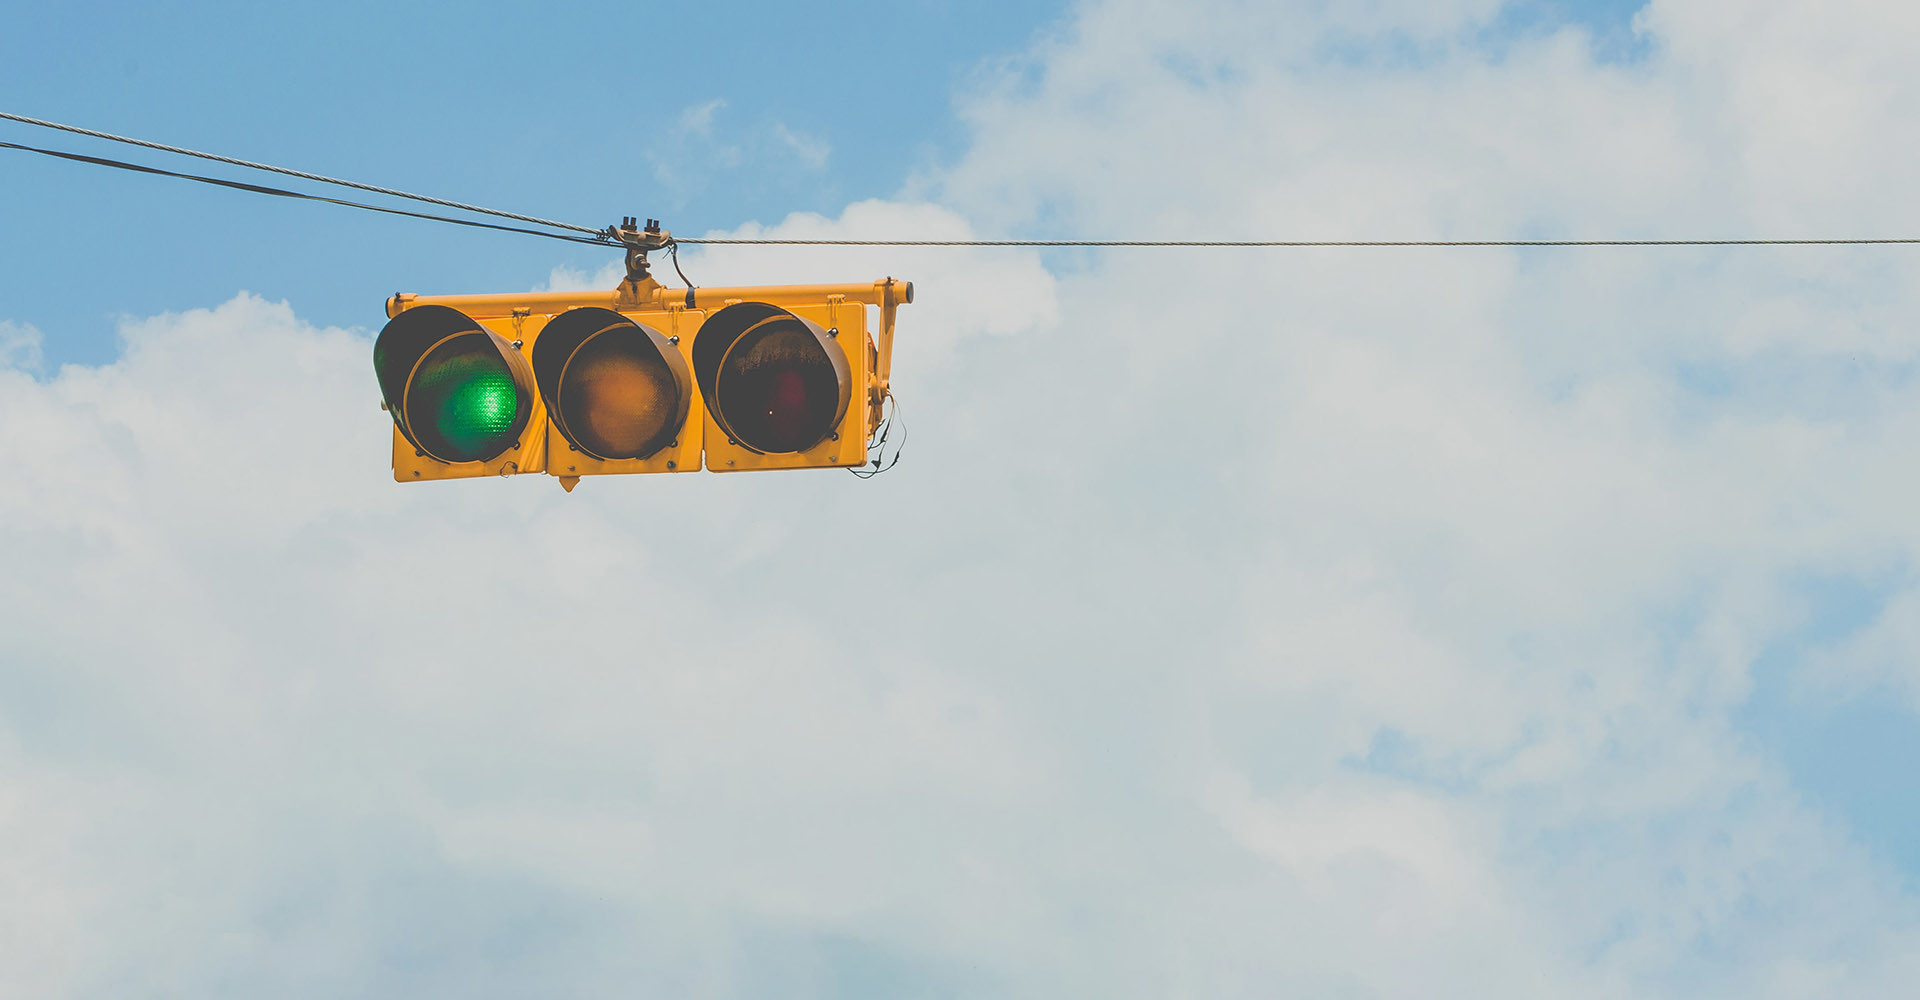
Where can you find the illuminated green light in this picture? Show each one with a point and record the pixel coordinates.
(478, 412)
(470, 397)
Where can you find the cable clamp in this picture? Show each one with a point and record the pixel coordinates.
(638, 242)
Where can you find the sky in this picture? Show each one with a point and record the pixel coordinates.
(1363, 623)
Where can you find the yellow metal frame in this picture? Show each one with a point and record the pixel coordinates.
(681, 455)
(410, 465)
(677, 313)
(846, 444)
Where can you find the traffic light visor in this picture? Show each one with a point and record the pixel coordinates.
(458, 392)
(615, 389)
(775, 382)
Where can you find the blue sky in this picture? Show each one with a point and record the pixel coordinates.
(558, 112)
(1492, 619)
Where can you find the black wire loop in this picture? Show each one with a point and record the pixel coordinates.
(877, 461)
(673, 252)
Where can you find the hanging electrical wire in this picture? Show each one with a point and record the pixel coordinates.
(283, 193)
(877, 460)
(304, 175)
(609, 236)
(1297, 243)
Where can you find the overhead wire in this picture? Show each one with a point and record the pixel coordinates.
(302, 174)
(1297, 243)
(607, 237)
(284, 193)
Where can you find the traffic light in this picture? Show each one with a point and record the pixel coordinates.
(461, 396)
(643, 379)
(618, 394)
(780, 387)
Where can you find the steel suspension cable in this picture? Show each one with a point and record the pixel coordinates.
(321, 178)
(1299, 243)
(606, 237)
(283, 193)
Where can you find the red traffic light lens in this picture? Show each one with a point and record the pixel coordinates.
(778, 390)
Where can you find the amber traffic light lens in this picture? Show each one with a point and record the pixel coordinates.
(777, 389)
(616, 389)
(618, 398)
(463, 402)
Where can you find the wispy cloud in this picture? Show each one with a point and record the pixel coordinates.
(697, 119)
(809, 150)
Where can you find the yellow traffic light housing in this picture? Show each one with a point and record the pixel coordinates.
(618, 392)
(461, 396)
(780, 387)
(638, 380)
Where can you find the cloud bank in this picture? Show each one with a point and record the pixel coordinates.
(1354, 623)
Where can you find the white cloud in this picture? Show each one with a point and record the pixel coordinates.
(1317, 623)
(698, 150)
(811, 151)
(697, 119)
(19, 345)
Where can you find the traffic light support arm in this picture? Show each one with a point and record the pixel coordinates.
(893, 294)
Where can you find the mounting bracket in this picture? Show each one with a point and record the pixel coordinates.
(638, 243)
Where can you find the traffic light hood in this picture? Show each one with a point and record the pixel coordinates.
(457, 391)
(614, 388)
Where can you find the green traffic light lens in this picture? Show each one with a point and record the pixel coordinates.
(463, 403)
